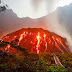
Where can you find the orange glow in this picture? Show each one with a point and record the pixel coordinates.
(22, 36)
(57, 44)
(45, 41)
(66, 43)
(63, 45)
(44, 36)
(38, 41)
(15, 37)
(37, 46)
(7, 47)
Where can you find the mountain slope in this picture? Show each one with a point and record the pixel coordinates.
(38, 40)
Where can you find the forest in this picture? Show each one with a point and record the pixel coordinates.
(23, 61)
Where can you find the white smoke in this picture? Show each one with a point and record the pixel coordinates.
(58, 28)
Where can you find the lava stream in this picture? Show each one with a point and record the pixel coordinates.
(45, 42)
(63, 45)
(7, 47)
(38, 43)
(57, 44)
(21, 37)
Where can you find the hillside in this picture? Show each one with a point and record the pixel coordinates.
(33, 50)
(38, 40)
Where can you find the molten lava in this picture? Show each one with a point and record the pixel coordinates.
(7, 48)
(38, 40)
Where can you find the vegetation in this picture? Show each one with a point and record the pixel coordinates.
(66, 60)
(3, 7)
(10, 63)
(23, 61)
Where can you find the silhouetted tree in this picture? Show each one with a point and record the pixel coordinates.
(3, 7)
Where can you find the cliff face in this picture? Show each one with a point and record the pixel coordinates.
(38, 40)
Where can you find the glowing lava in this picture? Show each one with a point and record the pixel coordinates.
(57, 44)
(7, 48)
(38, 40)
(45, 42)
(38, 43)
(22, 36)
(63, 45)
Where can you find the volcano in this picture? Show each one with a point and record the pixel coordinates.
(38, 40)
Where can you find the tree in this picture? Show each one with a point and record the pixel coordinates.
(3, 7)
(42, 66)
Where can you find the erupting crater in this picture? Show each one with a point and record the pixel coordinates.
(37, 40)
